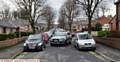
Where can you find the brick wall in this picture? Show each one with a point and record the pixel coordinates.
(112, 42)
(11, 42)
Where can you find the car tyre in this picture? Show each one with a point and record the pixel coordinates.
(24, 49)
(42, 48)
(93, 49)
(51, 44)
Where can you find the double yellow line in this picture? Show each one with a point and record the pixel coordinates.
(102, 56)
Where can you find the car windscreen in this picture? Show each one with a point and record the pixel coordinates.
(60, 34)
(84, 36)
(34, 40)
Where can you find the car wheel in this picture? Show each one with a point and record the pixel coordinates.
(51, 44)
(77, 47)
(24, 49)
(93, 49)
(42, 48)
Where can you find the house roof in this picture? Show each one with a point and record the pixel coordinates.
(103, 20)
(113, 19)
(13, 23)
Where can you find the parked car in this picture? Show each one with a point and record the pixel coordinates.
(59, 38)
(34, 42)
(50, 33)
(45, 38)
(84, 41)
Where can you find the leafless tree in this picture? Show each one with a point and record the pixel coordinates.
(97, 13)
(33, 9)
(48, 15)
(89, 6)
(62, 19)
(104, 7)
(5, 13)
(70, 11)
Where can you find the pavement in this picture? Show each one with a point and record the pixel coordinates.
(11, 52)
(113, 54)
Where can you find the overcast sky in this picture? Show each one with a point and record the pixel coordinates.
(56, 4)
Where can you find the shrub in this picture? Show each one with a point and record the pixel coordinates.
(103, 33)
(6, 36)
(13, 35)
(23, 33)
(3, 37)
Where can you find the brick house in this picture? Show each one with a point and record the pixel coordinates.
(112, 23)
(104, 21)
(11, 26)
(117, 14)
(81, 23)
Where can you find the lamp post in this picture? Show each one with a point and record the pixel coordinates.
(18, 16)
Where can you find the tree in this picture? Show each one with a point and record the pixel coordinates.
(89, 6)
(104, 7)
(70, 11)
(98, 27)
(6, 13)
(33, 9)
(15, 14)
(48, 15)
(62, 19)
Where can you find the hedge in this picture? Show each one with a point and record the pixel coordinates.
(13, 35)
(103, 33)
(23, 34)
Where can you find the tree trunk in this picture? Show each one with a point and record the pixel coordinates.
(70, 27)
(33, 27)
(89, 25)
(49, 25)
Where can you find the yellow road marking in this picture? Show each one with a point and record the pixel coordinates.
(98, 56)
(21, 55)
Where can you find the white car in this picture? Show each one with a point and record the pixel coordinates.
(84, 41)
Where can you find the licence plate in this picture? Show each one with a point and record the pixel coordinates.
(31, 46)
(55, 40)
(88, 46)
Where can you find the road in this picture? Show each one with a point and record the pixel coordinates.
(70, 54)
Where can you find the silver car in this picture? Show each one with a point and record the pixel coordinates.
(59, 38)
(34, 42)
(84, 41)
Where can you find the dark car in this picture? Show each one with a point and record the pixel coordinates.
(34, 42)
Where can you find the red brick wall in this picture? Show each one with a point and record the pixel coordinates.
(112, 42)
(10, 42)
(113, 24)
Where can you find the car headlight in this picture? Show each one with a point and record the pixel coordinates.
(39, 44)
(25, 44)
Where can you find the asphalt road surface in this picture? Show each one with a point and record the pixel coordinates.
(70, 54)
